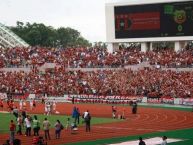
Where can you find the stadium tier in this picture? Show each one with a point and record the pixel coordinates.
(124, 82)
(93, 57)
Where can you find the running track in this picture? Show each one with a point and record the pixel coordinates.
(148, 120)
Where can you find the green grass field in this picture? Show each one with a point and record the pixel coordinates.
(5, 119)
(168, 107)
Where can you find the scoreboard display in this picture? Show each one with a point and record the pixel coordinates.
(170, 19)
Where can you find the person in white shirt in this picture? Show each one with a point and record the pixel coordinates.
(87, 119)
(164, 142)
(48, 108)
(24, 105)
(28, 125)
(85, 114)
(54, 106)
(21, 104)
(31, 104)
(45, 109)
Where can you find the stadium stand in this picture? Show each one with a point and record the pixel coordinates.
(57, 76)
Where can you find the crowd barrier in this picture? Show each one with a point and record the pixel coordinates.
(168, 100)
(104, 99)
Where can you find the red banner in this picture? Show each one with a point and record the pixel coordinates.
(154, 100)
(138, 21)
(168, 100)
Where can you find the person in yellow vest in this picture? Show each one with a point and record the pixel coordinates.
(36, 126)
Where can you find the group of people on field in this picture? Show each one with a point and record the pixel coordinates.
(32, 125)
(50, 107)
(23, 104)
(121, 114)
(85, 116)
(11, 106)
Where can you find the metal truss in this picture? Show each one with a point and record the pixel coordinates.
(9, 39)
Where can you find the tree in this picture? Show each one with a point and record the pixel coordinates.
(33, 37)
(63, 37)
(41, 35)
(83, 42)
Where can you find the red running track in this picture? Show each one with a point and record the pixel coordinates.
(148, 120)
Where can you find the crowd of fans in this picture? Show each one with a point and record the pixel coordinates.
(170, 58)
(92, 57)
(123, 82)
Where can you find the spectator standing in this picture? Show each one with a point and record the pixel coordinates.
(134, 109)
(72, 99)
(16, 112)
(48, 105)
(12, 128)
(10, 104)
(36, 126)
(34, 103)
(123, 114)
(87, 119)
(31, 104)
(164, 140)
(46, 127)
(78, 115)
(68, 123)
(23, 114)
(43, 100)
(85, 114)
(1, 104)
(141, 142)
(24, 105)
(114, 110)
(28, 125)
(45, 109)
(19, 123)
(20, 104)
(58, 127)
(54, 106)
(75, 114)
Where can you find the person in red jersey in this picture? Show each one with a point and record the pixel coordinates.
(12, 128)
(1, 104)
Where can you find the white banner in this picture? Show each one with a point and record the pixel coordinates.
(32, 96)
(144, 100)
(178, 101)
(188, 102)
(96, 98)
